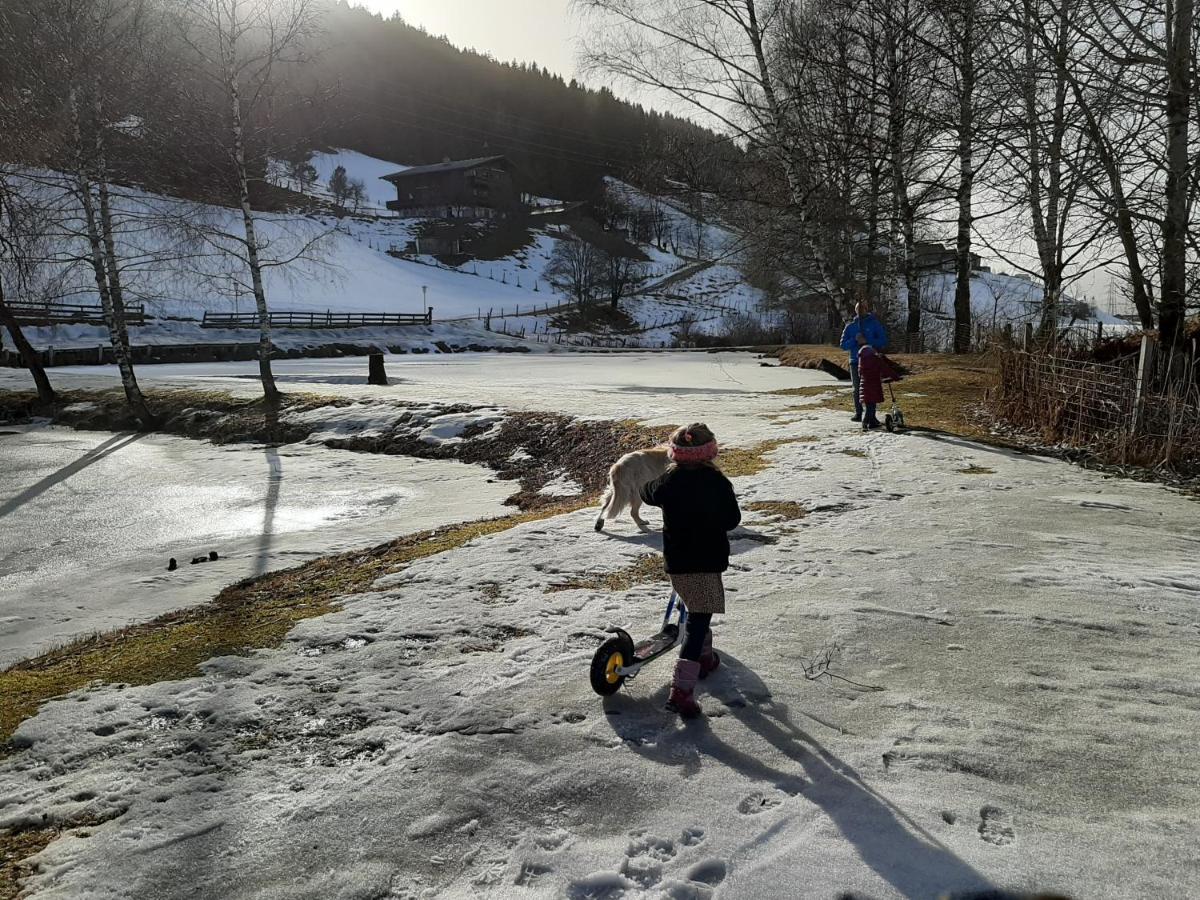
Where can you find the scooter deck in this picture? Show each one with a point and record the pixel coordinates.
(653, 646)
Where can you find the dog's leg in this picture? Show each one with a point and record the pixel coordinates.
(634, 506)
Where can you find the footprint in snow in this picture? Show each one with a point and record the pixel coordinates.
(710, 871)
(995, 826)
(644, 858)
(757, 803)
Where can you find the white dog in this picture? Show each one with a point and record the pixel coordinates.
(625, 481)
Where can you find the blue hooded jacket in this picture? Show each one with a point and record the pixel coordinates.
(871, 328)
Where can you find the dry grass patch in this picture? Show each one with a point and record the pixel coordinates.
(812, 390)
(976, 470)
(16, 847)
(19, 845)
(251, 614)
(736, 462)
(784, 509)
(953, 388)
(857, 454)
(645, 570)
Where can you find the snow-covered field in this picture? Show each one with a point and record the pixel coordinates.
(1021, 636)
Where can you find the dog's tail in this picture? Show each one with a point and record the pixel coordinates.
(612, 502)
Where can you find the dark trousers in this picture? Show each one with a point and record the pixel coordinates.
(870, 416)
(854, 382)
(697, 631)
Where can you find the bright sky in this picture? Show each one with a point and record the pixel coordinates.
(541, 31)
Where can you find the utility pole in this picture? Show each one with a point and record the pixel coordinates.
(424, 297)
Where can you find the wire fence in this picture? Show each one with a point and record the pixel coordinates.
(1142, 409)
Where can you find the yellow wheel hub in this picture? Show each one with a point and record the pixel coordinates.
(610, 671)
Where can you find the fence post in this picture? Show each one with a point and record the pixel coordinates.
(375, 370)
(1144, 374)
(1099, 333)
(1028, 337)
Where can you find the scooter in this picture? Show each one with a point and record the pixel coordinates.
(618, 659)
(893, 421)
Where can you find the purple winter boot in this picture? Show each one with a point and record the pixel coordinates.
(683, 688)
(709, 658)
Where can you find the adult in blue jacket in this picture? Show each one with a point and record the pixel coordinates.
(864, 323)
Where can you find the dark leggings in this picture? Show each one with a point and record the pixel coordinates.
(697, 630)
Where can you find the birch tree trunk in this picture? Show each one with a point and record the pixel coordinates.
(1180, 14)
(1120, 203)
(270, 391)
(966, 179)
(29, 356)
(114, 318)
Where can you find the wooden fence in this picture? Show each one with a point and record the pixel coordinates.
(71, 313)
(291, 319)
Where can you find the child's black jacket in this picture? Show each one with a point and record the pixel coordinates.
(699, 507)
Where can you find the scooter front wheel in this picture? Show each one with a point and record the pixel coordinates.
(611, 655)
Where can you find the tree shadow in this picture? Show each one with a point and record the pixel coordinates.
(945, 437)
(270, 504)
(113, 445)
(741, 540)
(887, 840)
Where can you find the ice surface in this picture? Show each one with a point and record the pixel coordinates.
(90, 519)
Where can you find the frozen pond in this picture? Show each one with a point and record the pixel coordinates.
(88, 521)
(728, 390)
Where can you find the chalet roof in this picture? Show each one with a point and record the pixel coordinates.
(438, 168)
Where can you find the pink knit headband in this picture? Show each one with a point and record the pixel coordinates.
(703, 453)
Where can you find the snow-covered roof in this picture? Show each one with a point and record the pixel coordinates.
(443, 167)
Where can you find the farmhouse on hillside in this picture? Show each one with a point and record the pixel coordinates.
(482, 188)
(930, 256)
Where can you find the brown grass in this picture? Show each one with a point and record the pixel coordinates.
(784, 509)
(645, 570)
(737, 462)
(976, 470)
(16, 847)
(953, 388)
(811, 390)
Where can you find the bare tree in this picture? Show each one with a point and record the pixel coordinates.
(575, 269)
(356, 194)
(1047, 163)
(963, 40)
(719, 57)
(86, 57)
(339, 186)
(238, 45)
(620, 275)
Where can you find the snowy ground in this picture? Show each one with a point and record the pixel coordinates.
(1033, 627)
(90, 520)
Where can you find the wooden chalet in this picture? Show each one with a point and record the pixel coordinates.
(482, 188)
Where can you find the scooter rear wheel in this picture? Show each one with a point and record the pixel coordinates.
(611, 655)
